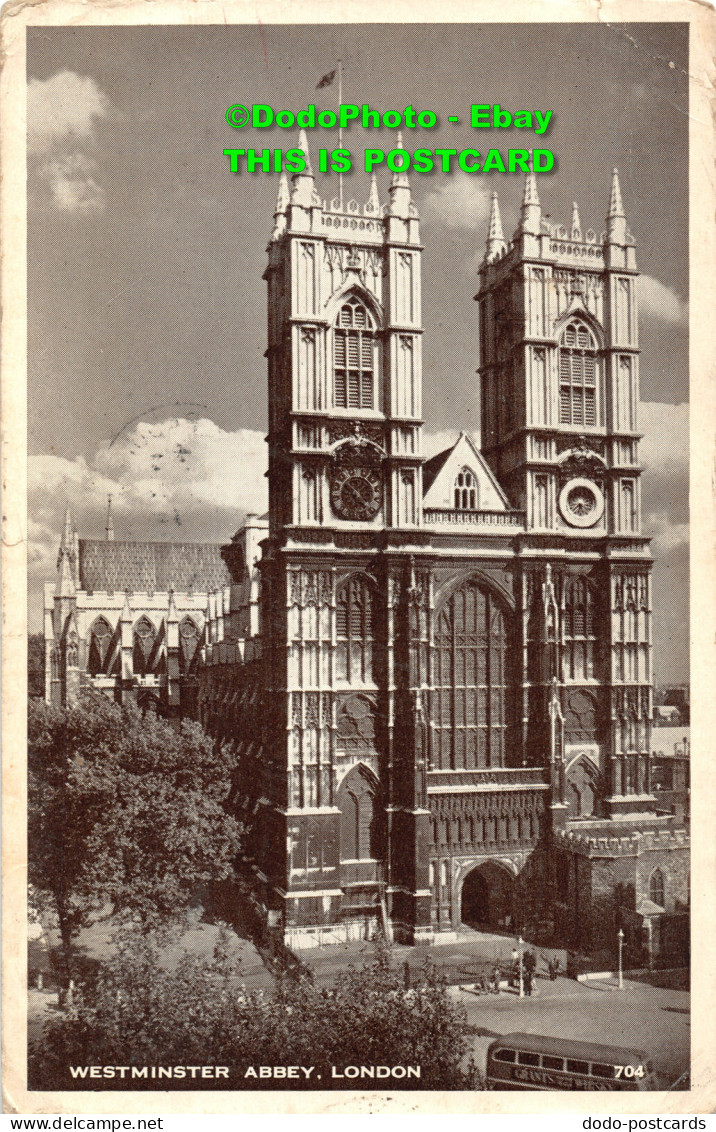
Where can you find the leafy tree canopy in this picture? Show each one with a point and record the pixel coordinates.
(124, 810)
(36, 665)
(142, 1011)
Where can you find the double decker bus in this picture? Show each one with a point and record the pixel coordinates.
(532, 1061)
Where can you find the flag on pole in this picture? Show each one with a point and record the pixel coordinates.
(326, 80)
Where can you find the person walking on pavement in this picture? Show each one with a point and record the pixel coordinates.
(529, 964)
(515, 973)
(495, 981)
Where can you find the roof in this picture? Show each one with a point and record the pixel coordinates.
(151, 566)
(432, 466)
(438, 490)
(585, 1051)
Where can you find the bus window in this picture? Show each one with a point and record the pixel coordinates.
(599, 1070)
(505, 1055)
(549, 1062)
(527, 1058)
(577, 1067)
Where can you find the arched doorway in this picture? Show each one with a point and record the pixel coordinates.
(488, 897)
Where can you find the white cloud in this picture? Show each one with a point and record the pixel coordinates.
(461, 201)
(177, 479)
(61, 108)
(62, 113)
(662, 302)
(72, 185)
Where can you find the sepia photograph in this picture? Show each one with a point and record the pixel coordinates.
(358, 597)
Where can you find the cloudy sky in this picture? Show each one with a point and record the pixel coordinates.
(146, 307)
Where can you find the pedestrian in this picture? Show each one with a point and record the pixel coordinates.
(552, 968)
(530, 964)
(496, 975)
(515, 967)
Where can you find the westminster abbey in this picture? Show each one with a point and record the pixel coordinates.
(436, 673)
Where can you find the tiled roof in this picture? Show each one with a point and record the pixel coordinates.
(151, 566)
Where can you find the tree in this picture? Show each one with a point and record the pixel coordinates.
(123, 810)
(142, 1010)
(36, 665)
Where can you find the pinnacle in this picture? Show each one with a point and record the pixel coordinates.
(374, 199)
(303, 146)
(400, 179)
(616, 208)
(530, 194)
(495, 220)
(284, 196)
(576, 224)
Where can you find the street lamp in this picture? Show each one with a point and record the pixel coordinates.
(520, 944)
(620, 935)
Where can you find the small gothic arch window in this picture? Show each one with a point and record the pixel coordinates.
(100, 641)
(578, 376)
(656, 888)
(188, 640)
(354, 357)
(466, 491)
(144, 640)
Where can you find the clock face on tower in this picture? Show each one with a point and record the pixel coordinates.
(356, 492)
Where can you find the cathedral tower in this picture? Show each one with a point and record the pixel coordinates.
(559, 382)
(345, 511)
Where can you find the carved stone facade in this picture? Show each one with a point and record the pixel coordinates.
(440, 668)
(447, 684)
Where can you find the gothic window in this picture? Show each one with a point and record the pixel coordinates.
(466, 497)
(580, 717)
(578, 376)
(359, 818)
(580, 639)
(354, 632)
(188, 640)
(656, 888)
(354, 358)
(100, 641)
(356, 728)
(144, 640)
(469, 707)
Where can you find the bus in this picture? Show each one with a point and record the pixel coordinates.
(533, 1061)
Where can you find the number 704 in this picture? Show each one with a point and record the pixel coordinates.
(629, 1070)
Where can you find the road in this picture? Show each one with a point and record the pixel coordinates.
(654, 1019)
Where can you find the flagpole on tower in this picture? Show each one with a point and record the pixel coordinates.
(340, 128)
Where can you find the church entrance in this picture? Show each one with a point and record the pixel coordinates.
(488, 897)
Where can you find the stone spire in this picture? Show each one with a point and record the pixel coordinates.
(531, 211)
(65, 581)
(496, 245)
(616, 220)
(400, 199)
(67, 531)
(576, 225)
(304, 187)
(109, 526)
(283, 200)
(67, 558)
(373, 200)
